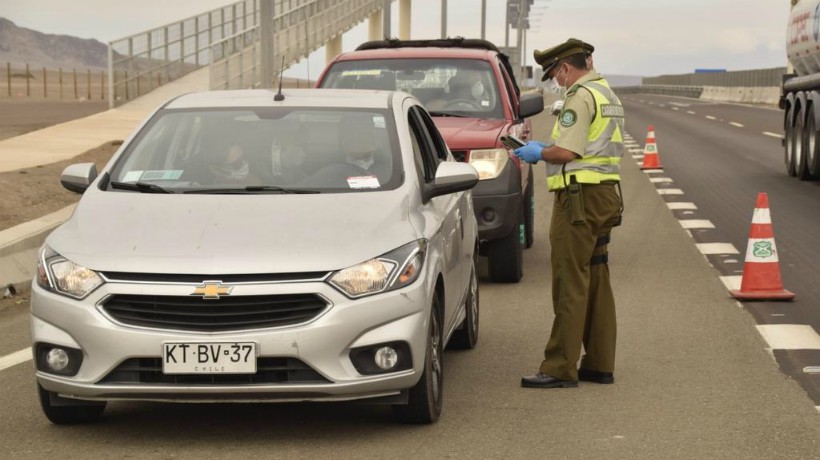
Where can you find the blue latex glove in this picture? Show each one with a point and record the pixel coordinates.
(531, 153)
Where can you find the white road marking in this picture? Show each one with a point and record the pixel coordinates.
(679, 104)
(695, 223)
(658, 180)
(670, 191)
(818, 409)
(733, 123)
(790, 336)
(653, 171)
(681, 205)
(779, 136)
(716, 248)
(15, 358)
(662, 106)
(711, 117)
(675, 108)
(691, 112)
(811, 370)
(732, 282)
(637, 157)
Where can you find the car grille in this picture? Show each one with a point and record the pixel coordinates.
(460, 155)
(148, 371)
(227, 313)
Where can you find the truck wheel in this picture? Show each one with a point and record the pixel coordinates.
(808, 171)
(426, 397)
(71, 411)
(792, 140)
(529, 212)
(466, 336)
(506, 255)
(803, 141)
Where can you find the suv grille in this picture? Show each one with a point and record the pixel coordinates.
(148, 371)
(223, 314)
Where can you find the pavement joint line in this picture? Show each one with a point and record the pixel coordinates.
(734, 123)
(13, 359)
(716, 248)
(711, 117)
(767, 133)
(789, 336)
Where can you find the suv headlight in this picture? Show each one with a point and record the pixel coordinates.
(489, 163)
(60, 275)
(396, 269)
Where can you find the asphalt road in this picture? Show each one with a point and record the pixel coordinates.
(721, 156)
(693, 376)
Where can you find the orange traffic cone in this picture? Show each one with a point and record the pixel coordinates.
(651, 160)
(761, 271)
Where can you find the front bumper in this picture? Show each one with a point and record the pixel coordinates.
(323, 344)
(497, 203)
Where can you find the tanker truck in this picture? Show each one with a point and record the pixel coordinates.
(800, 98)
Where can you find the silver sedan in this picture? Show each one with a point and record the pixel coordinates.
(244, 247)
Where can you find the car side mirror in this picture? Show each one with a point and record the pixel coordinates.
(532, 103)
(451, 177)
(78, 177)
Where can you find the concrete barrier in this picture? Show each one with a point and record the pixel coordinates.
(768, 95)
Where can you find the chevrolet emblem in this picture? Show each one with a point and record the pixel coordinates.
(212, 289)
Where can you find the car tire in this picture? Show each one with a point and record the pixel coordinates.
(466, 336)
(506, 255)
(529, 212)
(426, 397)
(71, 413)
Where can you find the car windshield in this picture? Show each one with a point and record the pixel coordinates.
(262, 150)
(456, 87)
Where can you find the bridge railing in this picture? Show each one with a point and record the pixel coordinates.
(139, 63)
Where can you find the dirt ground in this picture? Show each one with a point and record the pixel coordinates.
(19, 116)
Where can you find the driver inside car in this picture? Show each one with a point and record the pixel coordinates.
(466, 92)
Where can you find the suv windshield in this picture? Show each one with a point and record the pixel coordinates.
(262, 150)
(459, 87)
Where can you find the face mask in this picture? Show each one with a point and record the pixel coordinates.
(477, 90)
(554, 85)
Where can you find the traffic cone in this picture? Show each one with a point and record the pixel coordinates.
(761, 271)
(651, 160)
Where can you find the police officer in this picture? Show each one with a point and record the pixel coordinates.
(583, 159)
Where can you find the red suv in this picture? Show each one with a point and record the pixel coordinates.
(469, 89)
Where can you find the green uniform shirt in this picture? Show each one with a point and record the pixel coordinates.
(576, 117)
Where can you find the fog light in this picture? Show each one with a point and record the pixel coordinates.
(57, 359)
(488, 214)
(386, 358)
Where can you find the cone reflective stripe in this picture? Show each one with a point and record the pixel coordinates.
(651, 160)
(761, 272)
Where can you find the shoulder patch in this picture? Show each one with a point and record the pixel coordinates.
(568, 118)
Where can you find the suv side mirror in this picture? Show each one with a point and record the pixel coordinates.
(78, 177)
(451, 177)
(532, 103)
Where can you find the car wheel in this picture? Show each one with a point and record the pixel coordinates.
(466, 336)
(69, 412)
(529, 213)
(506, 255)
(793, 136)
(426, 397)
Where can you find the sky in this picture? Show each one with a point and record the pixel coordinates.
(631, 37)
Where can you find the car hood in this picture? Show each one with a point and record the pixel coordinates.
(231, 234)
(470, 133)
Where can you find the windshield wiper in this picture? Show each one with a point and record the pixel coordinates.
(142, 187)
(252, 189)
(447, 114)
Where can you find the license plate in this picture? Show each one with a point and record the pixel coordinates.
(209, 358)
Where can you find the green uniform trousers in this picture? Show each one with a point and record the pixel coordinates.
(581, 293)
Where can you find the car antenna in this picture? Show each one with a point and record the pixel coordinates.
(279, 96)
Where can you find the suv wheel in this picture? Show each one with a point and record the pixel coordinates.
(426, 397)
(466, 336)
(506, 255)
(62, 411)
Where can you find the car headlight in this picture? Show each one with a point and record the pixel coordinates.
(489, 163)
(396, 269)
(60, 275)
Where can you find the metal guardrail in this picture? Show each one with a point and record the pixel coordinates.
(299, 27)
(140, 63)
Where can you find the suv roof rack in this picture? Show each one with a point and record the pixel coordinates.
(453, 42)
